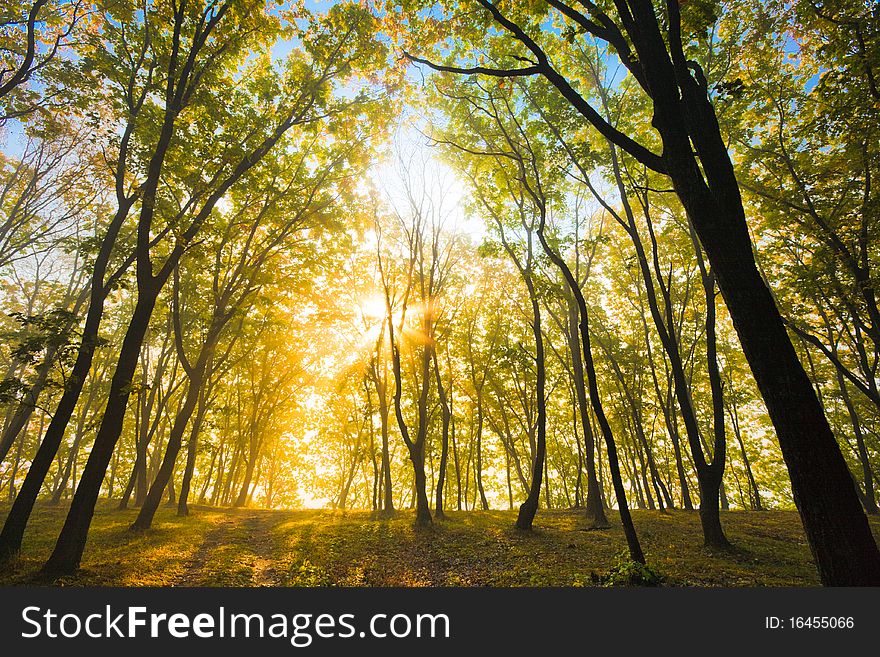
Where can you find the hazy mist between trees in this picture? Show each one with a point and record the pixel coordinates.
(421, 257)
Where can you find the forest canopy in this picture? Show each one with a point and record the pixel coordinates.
(443, 256)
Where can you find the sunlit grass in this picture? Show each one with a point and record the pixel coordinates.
(356, 548)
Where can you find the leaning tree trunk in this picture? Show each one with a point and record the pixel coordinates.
(191, 453)
(836, 526)
(753, 485)
(20, 512)
(869, 499)
(529, 508)
(22, 414)
(129, 488)
(444, 444)
(250, 466)
(594, 510)
(154, 497)
(629, 529)
(713, 535)
(71, 542)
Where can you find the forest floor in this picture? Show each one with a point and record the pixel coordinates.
(244, 547)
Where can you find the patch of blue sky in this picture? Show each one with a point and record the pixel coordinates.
(13, 139)
(792, 48)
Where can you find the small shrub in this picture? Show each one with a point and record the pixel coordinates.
(309, 574)
(626, 572)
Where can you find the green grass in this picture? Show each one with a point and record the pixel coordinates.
(224, 547)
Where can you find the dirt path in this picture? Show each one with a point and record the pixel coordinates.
(193, 572)
(262, 544)
(250, 532)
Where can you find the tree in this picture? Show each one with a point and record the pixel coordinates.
(304, 100)
(34, 37)
(695, 158)
(264, 221)
(427, 254)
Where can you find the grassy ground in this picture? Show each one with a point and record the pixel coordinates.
(224, 547)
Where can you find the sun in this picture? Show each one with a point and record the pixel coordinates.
(372, 307)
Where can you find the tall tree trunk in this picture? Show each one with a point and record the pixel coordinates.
(478, 463)
(633, 544)
(60, 489)
(869, 499)
(193, 393)
(11, 493)
(416, 447)
(635, 548)
(671, 422)
(349, 478)
(191, 454)
(204, 491)
(129, 487)
(26, 406)
(446, 415)
(222, 493)
(578, 480)
(387, 490)
(714, 470)
(456, 463)
(712, 534)
(755, 493)
(836, 526)
(374, 485)
(629, 461)
(595, 513)
(423, 510)
(141, 444)
(529, 508)
(381, 382)
(220, 456)
(67, 554)
(250, 465)
(20, 512)
(172, 497)
(660, 490)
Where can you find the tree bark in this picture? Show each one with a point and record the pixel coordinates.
(415, 447)
(529, 507)
(193, 393)
(869, 499)
(191, 454)
(595, 512)
(71, 542)
(446, 415)
(836, 526)
(20, 512)
(26, 406)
